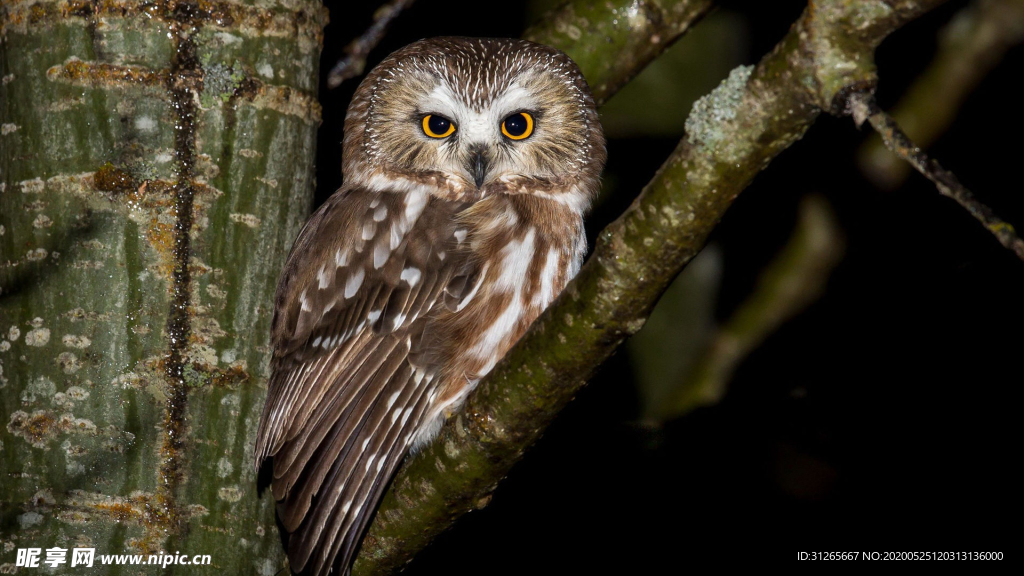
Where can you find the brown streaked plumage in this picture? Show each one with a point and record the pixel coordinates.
(413, 280)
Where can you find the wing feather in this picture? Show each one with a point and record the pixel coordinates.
(344, 472)
(333, 436)
(361, 496)
(346, 394)
(326, 412)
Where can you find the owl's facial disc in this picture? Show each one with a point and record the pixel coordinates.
(529, 130)
(476, 160)
(476, 116)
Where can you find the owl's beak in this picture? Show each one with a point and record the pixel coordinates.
(478, 164)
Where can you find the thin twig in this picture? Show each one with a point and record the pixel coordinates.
(863, 107)
(971, 45)
(354, 62)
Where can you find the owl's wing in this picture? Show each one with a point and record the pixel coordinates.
(350, 379)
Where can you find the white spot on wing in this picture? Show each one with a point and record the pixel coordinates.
(341, 257)
(380, 213)
(411, 275)
(460, 235)
(399, 320)
(380, 254)
(415, 202)
(369, 229)
(355, 280)
(325, 278)
(396, 235)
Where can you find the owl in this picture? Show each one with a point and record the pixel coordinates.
(468, 166)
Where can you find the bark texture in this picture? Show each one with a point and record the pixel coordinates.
(612, 41)
(157, 160)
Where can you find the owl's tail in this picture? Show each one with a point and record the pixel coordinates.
(329, 478)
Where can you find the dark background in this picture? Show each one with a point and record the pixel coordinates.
(877, 420)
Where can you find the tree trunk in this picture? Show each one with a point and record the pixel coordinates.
(156, 161)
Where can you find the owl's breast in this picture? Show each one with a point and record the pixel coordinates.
(526, 255)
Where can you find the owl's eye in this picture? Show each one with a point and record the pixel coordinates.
(437, 127)
(517, 126)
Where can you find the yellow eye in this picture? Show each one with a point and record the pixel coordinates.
(517, 126)
(437, 127)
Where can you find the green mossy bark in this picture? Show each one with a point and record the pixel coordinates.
(155, 163)
(612, 41)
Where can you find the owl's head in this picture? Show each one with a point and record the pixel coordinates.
(471, 117)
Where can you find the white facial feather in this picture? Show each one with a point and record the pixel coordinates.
(477, 124)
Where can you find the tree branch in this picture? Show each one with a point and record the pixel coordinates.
(864, 108)
(792, 281)
(613, 41)
(732, 134)
(354, 62)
